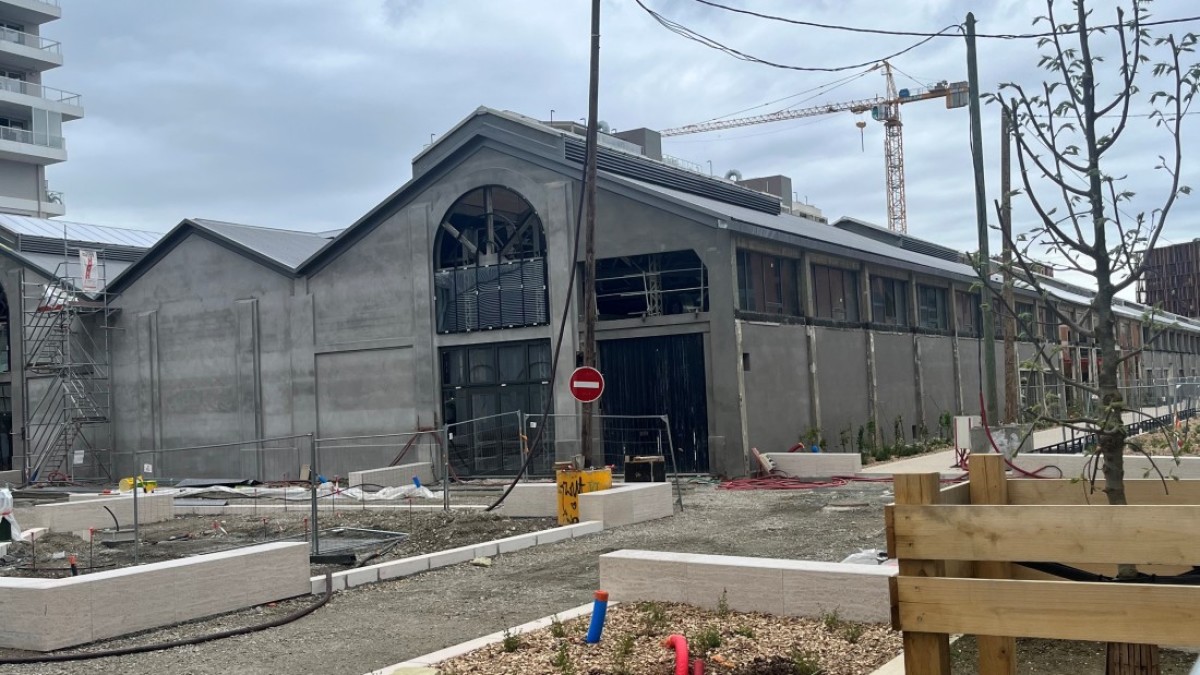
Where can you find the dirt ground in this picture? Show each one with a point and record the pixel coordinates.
(427, 531)
(1055, 657)
(374, 626)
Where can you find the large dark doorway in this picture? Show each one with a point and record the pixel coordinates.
(483, 388)
(656, 376)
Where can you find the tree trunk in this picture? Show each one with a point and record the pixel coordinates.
(1131, 659)
(1123, 658)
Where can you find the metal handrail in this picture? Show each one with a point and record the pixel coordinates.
(31, 137)
(29, 40)
(40, 91)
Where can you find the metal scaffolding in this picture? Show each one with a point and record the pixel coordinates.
(67, 398)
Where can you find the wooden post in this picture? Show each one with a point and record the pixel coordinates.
(997, 655)
(924, 653)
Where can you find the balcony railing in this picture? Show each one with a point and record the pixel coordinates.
(40, 91)
(29, 40)
(31, 137)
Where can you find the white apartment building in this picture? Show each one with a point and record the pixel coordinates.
(31, 114)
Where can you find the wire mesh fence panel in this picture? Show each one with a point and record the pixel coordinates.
(337, 457)
(620, 435)
(1048, 399)
(265, 460)
(486, 446)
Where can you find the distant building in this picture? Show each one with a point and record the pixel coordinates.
(31, 114)
(1172, 279)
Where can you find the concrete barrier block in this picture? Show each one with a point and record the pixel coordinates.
(78, 516)
(855, 592)
(532, 500)
(644, 575)
(403, 568)
(58, 613)
(791, 587)
(746, 586)
(392, 476)
(816, 464)
(627, 504)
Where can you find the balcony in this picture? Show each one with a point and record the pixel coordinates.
(32, 95)
(34, 12)
(51, 205)
(28, 51)
(33, 147)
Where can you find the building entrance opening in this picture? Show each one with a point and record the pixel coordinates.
(662, 375)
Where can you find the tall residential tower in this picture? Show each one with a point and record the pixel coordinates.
(31, 114)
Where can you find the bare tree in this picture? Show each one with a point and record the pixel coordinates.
(1066, 132)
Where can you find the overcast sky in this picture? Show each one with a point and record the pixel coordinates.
(306, 113)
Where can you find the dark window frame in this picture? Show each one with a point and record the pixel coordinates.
(768, 284)
(889, 301)
(835, 293)
(933, 315)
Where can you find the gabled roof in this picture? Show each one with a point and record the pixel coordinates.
(278, 250)
(286, 247)
(555, 149)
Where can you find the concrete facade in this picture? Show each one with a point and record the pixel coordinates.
(219, 346)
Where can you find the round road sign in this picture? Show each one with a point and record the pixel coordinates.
(586, 384)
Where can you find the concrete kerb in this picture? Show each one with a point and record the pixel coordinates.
(404, 567)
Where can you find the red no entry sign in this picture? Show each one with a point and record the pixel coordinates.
(586, 384)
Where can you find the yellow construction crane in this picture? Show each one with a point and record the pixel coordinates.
(884, 109)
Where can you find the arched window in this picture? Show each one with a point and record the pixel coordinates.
(489, 261)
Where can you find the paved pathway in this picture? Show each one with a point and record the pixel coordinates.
(944, 461)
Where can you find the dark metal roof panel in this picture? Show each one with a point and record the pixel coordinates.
(286, 247)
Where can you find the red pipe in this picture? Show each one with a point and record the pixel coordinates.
(698, 667)
(679, 644)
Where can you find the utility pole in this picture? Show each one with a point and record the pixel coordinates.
(1012, 393)
(985, 261)
(589, 196)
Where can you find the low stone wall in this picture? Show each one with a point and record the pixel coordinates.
(627, 503)
(77, 516)
(784, 587)
(47, 614)
(816, 464)
(1136, 466)
(393, 476)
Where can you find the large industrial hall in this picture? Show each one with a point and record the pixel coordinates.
(744, 319)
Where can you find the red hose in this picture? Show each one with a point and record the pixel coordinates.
(679, 644)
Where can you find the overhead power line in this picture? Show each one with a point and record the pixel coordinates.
(909, 33)
(690, 34)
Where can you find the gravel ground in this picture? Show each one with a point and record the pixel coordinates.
(739, 643)
(1058, 657)
(373, 626)
(427, 531)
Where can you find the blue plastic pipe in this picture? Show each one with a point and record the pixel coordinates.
(599, 610)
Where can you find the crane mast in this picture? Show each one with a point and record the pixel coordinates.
(885, 109)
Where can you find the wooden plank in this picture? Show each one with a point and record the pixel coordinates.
(1138, 491)
(1168, 535)
(959, 493)
(989, 485)
(1056, 610)
(925, 652)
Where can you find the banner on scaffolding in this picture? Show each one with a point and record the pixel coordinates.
(89, 282)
